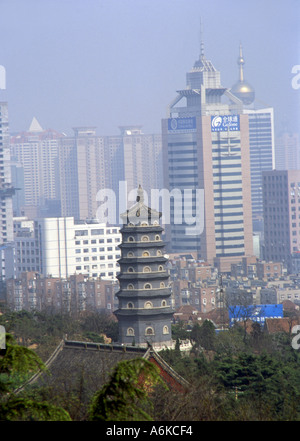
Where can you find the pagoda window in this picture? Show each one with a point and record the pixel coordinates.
(162, 284)
(130, 331)
(130, 239)
(163, 303)
(160, 268)
(149, 331)
(147, 286)
(165, 330)
(129, 305)
(158, 253)
(130, 254)
(130, 286)
(144, 224)
(148, 305)
(146, 269)
(145, 238)
(146, 254)
(130, 270)
(157, 237)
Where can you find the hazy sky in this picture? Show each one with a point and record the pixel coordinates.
(108, 63)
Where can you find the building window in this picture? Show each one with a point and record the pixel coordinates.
(146, 254)
(130, 286)
(163, 303)
(130, 270)
(130, 305)
(130, 254)
(147, 286)
(159, 253)
(145, 239)
(165, 330)
(146, 269)
(160, 268)
(148, 305)
(162, 284)
(130, 239)
(157, 237)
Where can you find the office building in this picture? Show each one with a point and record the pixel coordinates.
(281, 201)
(287, 151)
(206, 147)
(61, 247)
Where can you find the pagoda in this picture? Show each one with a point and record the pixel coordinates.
(145, 311)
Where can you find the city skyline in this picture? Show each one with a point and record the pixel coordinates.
(118, 63)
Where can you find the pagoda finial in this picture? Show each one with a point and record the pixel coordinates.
(140, 194)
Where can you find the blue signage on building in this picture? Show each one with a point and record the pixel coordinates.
(256, 313)
(224, 123)
(182, 124)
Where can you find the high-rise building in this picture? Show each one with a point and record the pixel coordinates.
(206, 147)
(287, 150)
(6, 193)
(281, 201)
(37, 151)
(261, 139)
(89, 163)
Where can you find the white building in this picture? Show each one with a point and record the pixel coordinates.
(61, 247)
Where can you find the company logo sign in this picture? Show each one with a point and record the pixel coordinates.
(224, 123)
(176, 125)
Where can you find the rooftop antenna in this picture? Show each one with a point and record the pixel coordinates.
(241, 63)
(201, 40)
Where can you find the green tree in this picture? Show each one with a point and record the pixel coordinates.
(204, 335)
(126, 396)
(15, 364)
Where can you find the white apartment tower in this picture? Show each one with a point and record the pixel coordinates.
(37, 151)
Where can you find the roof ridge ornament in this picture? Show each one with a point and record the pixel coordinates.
(140, 194)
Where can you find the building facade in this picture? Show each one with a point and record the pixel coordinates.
(287, 151)
(281, 201)
(89, 163)
(61, 247)
(74, 295)
(6, 193)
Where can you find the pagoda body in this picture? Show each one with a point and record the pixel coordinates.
(144, 312)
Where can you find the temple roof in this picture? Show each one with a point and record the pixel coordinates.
(96, 361)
